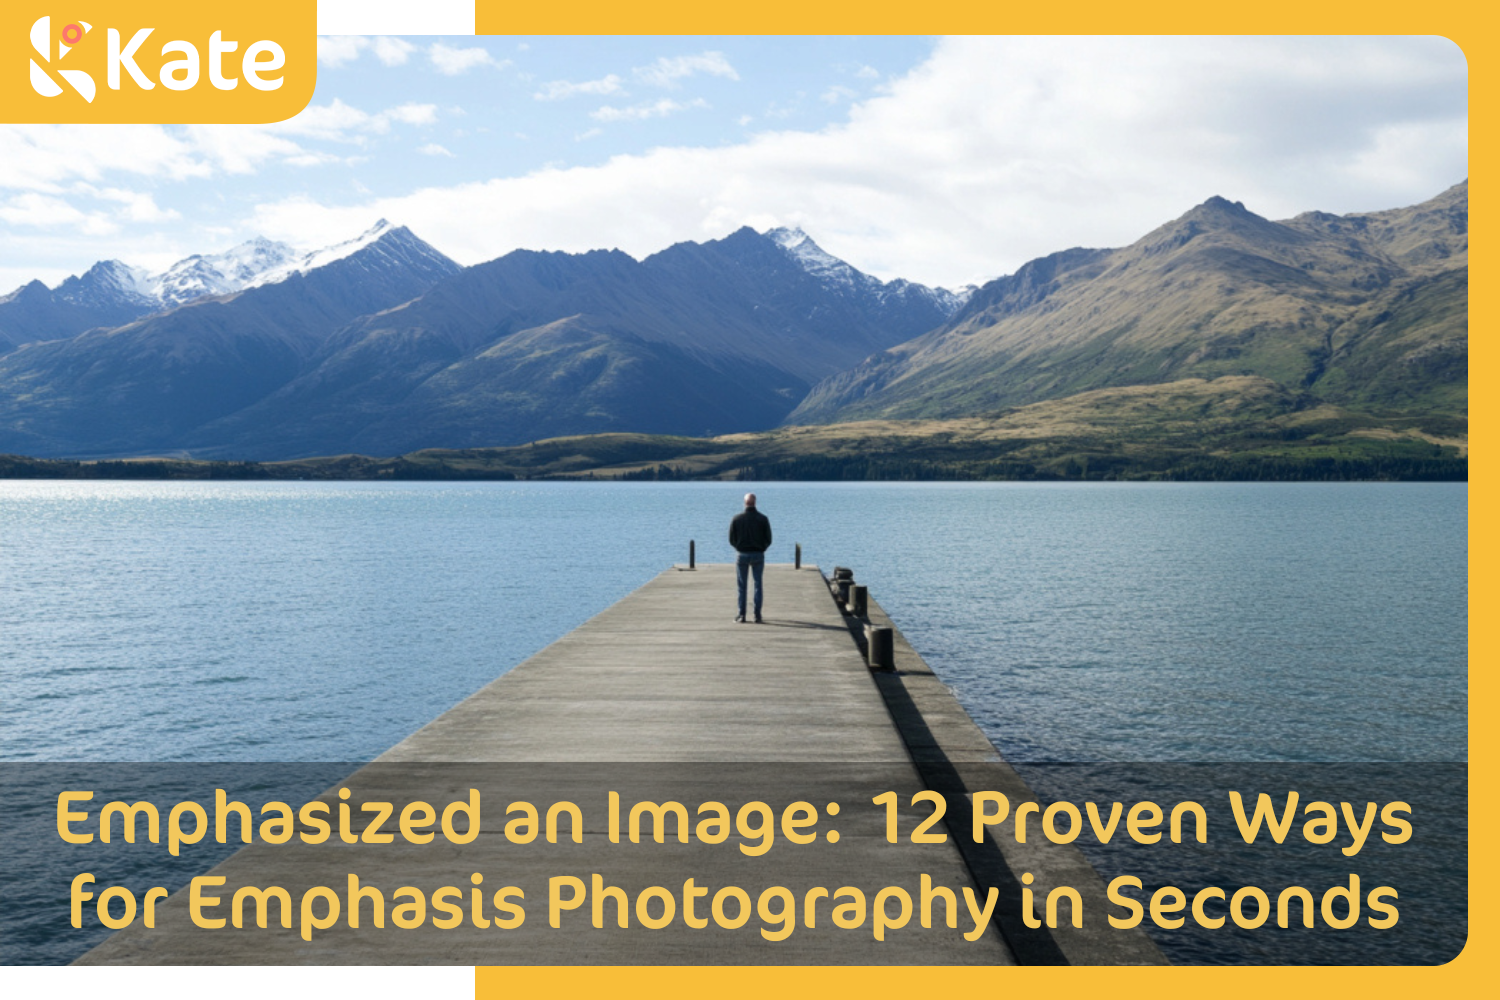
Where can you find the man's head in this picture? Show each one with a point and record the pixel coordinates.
(749, 499)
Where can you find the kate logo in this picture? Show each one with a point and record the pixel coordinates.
(41, 40)
(162, 62)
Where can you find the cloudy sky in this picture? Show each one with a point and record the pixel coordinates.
(943, 160)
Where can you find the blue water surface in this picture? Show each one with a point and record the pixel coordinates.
(1093, 621)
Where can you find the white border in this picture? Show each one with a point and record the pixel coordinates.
(239, 983)
(395, 17)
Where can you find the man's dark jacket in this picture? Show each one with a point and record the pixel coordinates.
(750, 531)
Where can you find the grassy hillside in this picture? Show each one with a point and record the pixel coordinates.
(1236, 427)
(1366, 312)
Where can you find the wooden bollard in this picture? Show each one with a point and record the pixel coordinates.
(843, 591)
(798, 563)
(880, 645)
(692, 554)
(859, 601)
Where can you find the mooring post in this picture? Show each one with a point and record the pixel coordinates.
(692, 554)
(843, 591)
(880, 643)
(859, 601)
(798, 564)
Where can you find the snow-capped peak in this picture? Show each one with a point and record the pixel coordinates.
(814, 259)
(836, 273)
(257, 261)
(317, 258)
(109, 284)
(218, 274)
(110, 281)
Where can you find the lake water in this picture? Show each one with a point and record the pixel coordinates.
(311, 621)
(1076, 622)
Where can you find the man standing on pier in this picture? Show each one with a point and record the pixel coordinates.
(750, 534)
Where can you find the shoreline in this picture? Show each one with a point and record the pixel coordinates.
(427, 469)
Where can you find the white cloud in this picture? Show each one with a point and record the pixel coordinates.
(867, 73)
(314, 158)
(234, 149)
(781, 111)
(557, 90)
(332, 121)
(340, 122)
(433, 149)
(46, 211)
(996, 151)
(47, 157)
(337, 51)
(412, 113)
(207, 150)
(837, 93)
(392, 51)
(666, 71)
(138, 206)
(640, 112)
(451, 61)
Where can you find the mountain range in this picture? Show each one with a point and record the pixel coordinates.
(392, 346)
(112, 293)
(1368, 311)
(384, 346)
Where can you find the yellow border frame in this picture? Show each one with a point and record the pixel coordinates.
(1467, 27)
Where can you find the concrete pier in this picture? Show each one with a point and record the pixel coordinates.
(666, 674)
(663, 696)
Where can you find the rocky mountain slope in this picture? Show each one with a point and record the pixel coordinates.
(382, 345)
(112, 293)
(701, 338)
(1367, 311)
(148, 385)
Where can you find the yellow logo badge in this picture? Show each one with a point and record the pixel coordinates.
(157, 62)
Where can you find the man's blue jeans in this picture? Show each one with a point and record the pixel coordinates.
(747, 563)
